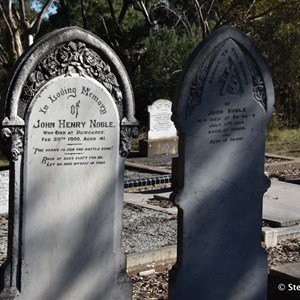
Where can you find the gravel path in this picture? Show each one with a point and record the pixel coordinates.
(145, 229)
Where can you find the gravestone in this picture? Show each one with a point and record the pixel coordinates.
(4, 186)
(162, 134)
(69, 120)
(223, 103)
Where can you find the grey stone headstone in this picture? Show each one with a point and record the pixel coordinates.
(69, 120)
(222, 106)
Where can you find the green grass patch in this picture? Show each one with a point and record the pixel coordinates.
(3, 160)
(283, 142)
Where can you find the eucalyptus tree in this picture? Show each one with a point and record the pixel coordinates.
(20, 24)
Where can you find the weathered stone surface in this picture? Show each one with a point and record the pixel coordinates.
(281, 204)
(160, 123)
(162, 134)
(4, 187)
(223, 102)
(290, 271)
(166, 146)
(71, 100)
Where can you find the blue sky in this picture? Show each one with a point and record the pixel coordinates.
(37, 7)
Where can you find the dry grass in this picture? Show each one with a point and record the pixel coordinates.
(3, 161)
(284, 142)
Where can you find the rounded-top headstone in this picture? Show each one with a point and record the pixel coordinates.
(68, 125)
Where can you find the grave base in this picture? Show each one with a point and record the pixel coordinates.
(159, 146)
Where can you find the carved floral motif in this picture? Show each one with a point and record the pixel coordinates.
(127, 134)
(194, 97)
(13, 139)
(259, 89)
(73, 57)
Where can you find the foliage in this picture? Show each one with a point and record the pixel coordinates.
(168, 49)
(282, 31)
(283, 141)
(154, 37)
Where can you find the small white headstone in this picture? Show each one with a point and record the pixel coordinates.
(160, 123)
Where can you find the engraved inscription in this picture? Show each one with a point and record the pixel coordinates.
(161, 125)
(80, 136)
(226, 125)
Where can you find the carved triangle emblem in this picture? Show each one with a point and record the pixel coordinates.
(231, 80)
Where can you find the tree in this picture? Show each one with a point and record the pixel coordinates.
(20, 25)
(154, 37)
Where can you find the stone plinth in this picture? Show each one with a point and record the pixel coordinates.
(162, 134)
(159, 146)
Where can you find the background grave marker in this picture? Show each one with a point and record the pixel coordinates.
(162, 134)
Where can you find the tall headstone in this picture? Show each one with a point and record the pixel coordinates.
(223, 103)
(69, 120)
(162, 134)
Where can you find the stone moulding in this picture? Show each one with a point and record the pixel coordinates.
(63, 52)
(204, 56)
(71, 57)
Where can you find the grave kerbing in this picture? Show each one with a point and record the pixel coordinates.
(223, 102)
(67, 125)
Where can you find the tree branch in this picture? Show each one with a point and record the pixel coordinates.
(202, 21)
(10, 32)
(16, 13)
(112, 11)
(105, 29)
(83, 14)
(143, 9)
(3, 55)
(36, 24)
(63, 6)
(180, 15)
(22, 8)
(123, 11)
(113, 15)
(253, 17)
(209, 9)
